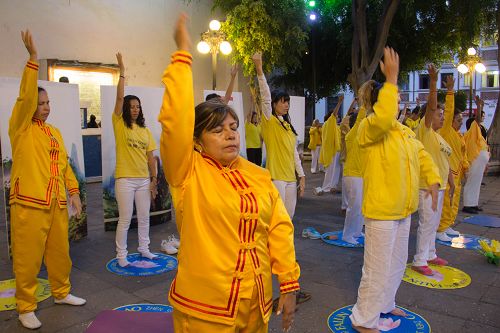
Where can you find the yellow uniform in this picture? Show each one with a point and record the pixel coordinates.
(314, 137)
(252, 135)
(439, 150)
(474, 142)
(344, 129)
(235, 229)
(412, 124)
(458, 164)
(40, 177)
(330, 138)
(392, 161)
(352, 165)
(132, 146)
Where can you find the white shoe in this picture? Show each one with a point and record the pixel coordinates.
(168, 247)
(70, 300)
(451, 232)
(29, 320)
(123, 262)
(443, 237)
(149, 255)
(350, 240)
(318, 191)
(174, 241)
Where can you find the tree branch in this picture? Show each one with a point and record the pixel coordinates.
(363, 33)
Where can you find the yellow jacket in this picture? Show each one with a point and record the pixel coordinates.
(314, 137)
(474, 142)
(40, 168)
(458, 159)
(330, 138)
(392, 161)
(234, 227)
(412, 124)
(352, 165)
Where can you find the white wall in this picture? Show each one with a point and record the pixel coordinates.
(94, 30)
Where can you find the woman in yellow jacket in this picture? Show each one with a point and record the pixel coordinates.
(315, 145)
(280, 137)
(458, 162)
(440, 151)
(235, 229)
(40, 177)
(253, 139)
(392, 160)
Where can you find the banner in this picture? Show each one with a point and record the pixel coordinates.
(65, 115)
(151, 99)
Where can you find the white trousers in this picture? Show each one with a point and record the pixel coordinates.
(344, 195)
(127, 191)
(385, 255)
(353, 224)
(288, 193)
(474, 178)
(315, 165)
(332, 174)
(428, 223)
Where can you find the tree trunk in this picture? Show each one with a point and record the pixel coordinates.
(364, 62)
(494, 131)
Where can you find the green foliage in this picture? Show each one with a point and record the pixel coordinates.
(460, 98)
(277, 28)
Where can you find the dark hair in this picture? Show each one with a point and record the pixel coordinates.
(210, 114)
(212, 96)
(469, 122)
(41, 89)
(456, 112)
(127, 117)
(92, 117)
(64, 79)
(352, 119)
(277, 96)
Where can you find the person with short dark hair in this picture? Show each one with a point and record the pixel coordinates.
(253, 139)
(64, 79)
(92, 122)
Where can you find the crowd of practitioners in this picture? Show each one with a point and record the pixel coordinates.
(391, 164)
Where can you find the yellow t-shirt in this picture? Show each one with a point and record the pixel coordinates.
(132, 146)
(252, 135)
(280, 147)
(439, 150)
(352, 165)
(314, 137)
(412, 124)
(330, 137)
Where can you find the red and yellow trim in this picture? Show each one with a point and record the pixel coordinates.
(287, 287)
(32, 65)
(182, 56)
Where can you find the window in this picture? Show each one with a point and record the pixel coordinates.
(423, 81)
(443, 79)
(467, 79)
(490, 79)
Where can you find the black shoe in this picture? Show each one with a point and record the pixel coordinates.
(470, 210)
(479, 209)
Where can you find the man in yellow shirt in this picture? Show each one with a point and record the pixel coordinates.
(440, 152)
(40, 176)
(315, 145)
(253, 139)
(458, 162)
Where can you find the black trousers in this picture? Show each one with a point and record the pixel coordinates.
(254, 155)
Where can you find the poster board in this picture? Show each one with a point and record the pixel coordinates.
(65, 115)
(151, 99)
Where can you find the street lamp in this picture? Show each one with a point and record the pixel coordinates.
(213, 41)
(472, 63)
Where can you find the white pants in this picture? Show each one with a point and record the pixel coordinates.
(353, 224)
(474, 178)
(428, 223)
(315, 165)
(344, 195)
(127, 190)
(288, 193)
(332, 174)
(385, 255)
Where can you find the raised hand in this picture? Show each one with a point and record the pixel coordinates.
(181, 34)
(29, 44)
(433, 72)
(390, 65)
(450, 82)
(257, 60)
(120, 63)
(234, 69)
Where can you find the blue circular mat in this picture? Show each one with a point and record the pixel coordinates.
(145, 308)
(464, 241)
(140, 266)
(339, 322)
(339, 241)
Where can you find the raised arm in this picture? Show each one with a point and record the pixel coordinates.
(120, 89)
(386, 108)
(27, 101)
(449, 105)
(265, 93)
(177, 110)
(432, 98)
(479, 108)
(229, 91)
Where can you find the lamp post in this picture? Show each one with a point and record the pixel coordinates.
(212, 41)
(472, 63)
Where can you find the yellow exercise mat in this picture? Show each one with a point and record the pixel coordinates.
(8, 291)
(444, 277)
